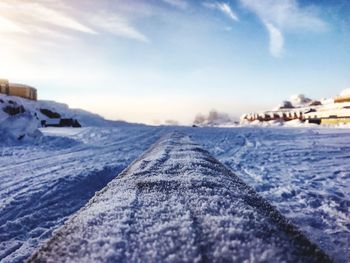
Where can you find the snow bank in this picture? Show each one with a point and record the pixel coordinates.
(57, 110)
(178, 204)
(16, 123)
(23, 128)
(20, 118)
(85, 118)
(290, 124)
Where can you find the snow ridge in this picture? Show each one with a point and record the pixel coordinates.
(177, 203)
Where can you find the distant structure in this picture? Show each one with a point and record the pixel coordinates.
(331, 111)
(342, 98)
(19, 90)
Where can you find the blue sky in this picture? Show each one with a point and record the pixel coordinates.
(150, 61)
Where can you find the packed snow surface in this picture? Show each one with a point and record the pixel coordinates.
(41, 185)
(303, 172)
(178, 204)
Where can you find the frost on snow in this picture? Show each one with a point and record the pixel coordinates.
(41, 185)
(304, 173)
(177, 203)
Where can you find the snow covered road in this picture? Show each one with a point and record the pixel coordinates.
(41, 185)
(178, 203)
(304, 172)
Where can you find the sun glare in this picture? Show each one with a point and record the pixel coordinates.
(7, 25)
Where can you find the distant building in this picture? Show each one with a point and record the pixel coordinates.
(19, 90)
(341, 99)
(331, 111)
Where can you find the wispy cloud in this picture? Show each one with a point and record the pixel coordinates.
(46, 14)
(276, 40)
(225, 8)
(118, 26)
(39, 36)
(6, 25)
(183, 4)
(59, 19)
(282, 15)
(26, 14)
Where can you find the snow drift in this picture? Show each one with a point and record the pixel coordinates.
(21, 128)
(20, 118)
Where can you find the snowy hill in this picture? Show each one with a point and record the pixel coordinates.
(20, 118)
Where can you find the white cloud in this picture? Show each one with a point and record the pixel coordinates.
(38, 37)
(117, 25)
(43, 13)
(224, 8)
(276, 40)
(282, 15)
(26, 14)
(177, 3)
(286, 14)
(51, 19)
